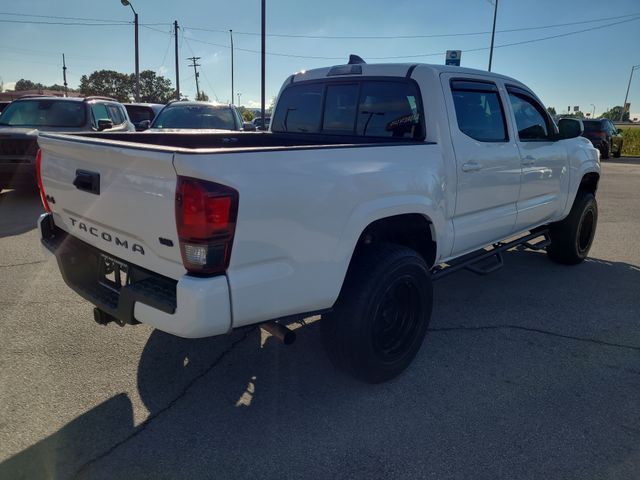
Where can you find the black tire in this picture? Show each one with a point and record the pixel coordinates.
(380, 320)
(605, 150)
(571, 238)
(618, 152)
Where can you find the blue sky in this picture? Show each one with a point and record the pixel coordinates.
(582, 69)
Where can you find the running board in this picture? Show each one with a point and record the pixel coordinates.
(484, 262)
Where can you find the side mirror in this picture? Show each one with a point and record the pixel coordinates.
(143, 125)
(569, 128)
(248, 127)
(104, 124)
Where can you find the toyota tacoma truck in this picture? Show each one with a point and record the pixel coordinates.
(374, 181)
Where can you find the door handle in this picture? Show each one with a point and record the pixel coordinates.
(87, 181)
(528, 161)
(471, 167)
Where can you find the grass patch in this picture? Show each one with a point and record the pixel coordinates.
(631, 143)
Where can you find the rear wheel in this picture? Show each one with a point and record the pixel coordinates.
(605, 150)
(571, 238)
(379, 322)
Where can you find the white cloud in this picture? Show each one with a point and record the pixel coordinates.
(252, 104)
(162, 71)
(9, 86)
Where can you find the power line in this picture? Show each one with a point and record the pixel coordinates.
(435, 35)
(61, 18)
(34, 22)
(395, 57)
(84, 24)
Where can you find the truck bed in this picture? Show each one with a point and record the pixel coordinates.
(244, 140)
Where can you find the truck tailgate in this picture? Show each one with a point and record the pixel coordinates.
(131, 215)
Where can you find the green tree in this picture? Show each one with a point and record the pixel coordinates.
(614, 114)
(107, 83)
(203, 97)
(551, 110)
(153, 88)
(23, 84)
(248, 115)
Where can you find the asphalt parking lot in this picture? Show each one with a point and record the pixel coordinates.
(532, 372)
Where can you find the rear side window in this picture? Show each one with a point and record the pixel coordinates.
(367, 108)
(479, 111)
(299, 109)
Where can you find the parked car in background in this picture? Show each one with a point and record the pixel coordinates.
(3, 105)
(25, 117)
(140, 112)
(180, 115)
(258, 122)
(605, 137)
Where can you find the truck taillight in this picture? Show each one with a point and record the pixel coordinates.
(206, 214)
(43, 197)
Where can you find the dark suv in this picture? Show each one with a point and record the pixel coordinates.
(23, 118)
(604, 136)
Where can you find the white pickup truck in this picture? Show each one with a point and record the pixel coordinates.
(373, 181)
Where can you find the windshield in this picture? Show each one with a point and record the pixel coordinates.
(138, 114)
(196, 116)
(592, 125)
(44, 113)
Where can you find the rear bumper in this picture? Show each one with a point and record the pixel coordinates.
(190, 307)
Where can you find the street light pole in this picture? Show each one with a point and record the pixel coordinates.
(127, 3)
(493, 33)
(593, 112)
(264, 34)
(635, 67)
(239, 95)
(231, 34)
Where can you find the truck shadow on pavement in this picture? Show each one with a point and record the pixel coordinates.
(533, 372)
(19, 211)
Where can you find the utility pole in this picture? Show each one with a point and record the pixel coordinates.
(231, 33)
(195, 66)
(493, 32)
(64, 75)
(175, 30)
(239, 95)
(264, 35)
(635, 67)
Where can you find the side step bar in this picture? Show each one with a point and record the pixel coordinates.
(484, 262)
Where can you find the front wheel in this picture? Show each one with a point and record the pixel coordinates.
(571, 238)
(618, 152)
(381, 317)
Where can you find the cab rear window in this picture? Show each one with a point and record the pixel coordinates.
(375, 108)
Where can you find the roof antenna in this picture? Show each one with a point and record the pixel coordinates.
(355, 60)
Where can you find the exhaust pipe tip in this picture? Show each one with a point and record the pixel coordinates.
(279, 332)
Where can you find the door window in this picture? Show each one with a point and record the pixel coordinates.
(99, 112)
(532, 122)
(115, 114)
(479, 111)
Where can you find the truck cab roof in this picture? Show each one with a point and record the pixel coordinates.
(388, 70)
